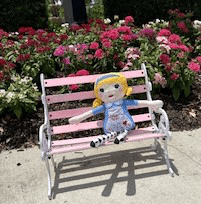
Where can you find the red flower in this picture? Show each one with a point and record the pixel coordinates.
(94, 46)
(66, 61)
(165, 59)
(198, 58)
(194, 66)
(1, 75)
(82, 72)
(182, 26)
(106, 43)
(75, 27)
(129, 19)
(147, 32)
(173, 38)
(174, 76)
(164, 32)
(73, 87)
(99, 54)
(126, 37)
(72, 75)
(63, 37)
(2, 62)
(22, 57)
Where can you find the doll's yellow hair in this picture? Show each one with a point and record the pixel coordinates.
(110, 78)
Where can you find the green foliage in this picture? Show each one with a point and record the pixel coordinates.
(96, 10)
(20, 96)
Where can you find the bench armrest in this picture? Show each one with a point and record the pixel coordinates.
(163, 125)
(43, 141)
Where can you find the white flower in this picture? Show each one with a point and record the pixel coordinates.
(116, 17)
(9, 96)
(21, 96)
(65, 25)
(107, 21)
(157, 20)
(35, 87)
(122, 22)
(2, 92)
(166, 47)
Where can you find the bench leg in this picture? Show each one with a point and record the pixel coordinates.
(54, 163)
(49, 179)
(167, 159)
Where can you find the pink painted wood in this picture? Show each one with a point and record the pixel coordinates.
(92, 125)
(86, 79)
(84, 146)
(85, 95)
(55, 115)
(73, 141)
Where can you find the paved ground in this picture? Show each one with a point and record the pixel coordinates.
(116, 174)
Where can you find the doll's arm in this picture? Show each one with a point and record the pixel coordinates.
(152, 104)
(80, 118)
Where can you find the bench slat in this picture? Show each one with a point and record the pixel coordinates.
(85, 146)
(85, 95)
(92, 125)
(57, 143)
(55, 115)
(87, 79)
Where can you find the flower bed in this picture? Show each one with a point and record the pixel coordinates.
(169, 49)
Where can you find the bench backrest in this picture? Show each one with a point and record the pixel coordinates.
(82, 95)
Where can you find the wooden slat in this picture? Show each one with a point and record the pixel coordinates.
(87, 79)
(85, 95)
(84, 146)
(55, 115)
(92, 125)
(73, 141)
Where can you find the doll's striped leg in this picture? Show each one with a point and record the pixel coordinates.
(120, 137)
(102, 139)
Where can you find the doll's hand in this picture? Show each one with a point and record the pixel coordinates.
(156, 105)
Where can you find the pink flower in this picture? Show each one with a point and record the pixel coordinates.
(198, 58)
(174, 76)
(66, 61)
(59, 51)
(90, 56)
(126, 37)
(158, 79)
(113, 34)
(164, 32)
(73, 87)
(184, 48)
(173, 38)
(162, 39)
(181, 55)
(194, 66)
(94, 46)
(72, 75)
(106, 43)
(164, 58)
(125, 30)
(129, 19)
(98, 54)
(82, 72)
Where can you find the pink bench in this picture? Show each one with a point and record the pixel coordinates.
(49, 148)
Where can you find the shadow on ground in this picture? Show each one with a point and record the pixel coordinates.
(145, 156)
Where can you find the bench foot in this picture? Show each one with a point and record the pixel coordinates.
(49, 179)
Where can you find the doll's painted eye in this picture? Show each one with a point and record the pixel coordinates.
(101, 90)
(116, 86)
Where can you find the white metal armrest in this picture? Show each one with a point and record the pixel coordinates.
(163, 125)
(43, 141)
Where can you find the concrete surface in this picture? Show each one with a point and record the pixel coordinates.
(127, 173)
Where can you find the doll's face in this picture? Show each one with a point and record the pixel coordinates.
(111, 92)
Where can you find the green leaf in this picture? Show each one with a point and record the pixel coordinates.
(18, 111)
(176, 93)
(187, 90)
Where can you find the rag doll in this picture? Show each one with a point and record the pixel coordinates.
(110, 90)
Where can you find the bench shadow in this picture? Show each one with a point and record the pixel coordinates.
(118, 159)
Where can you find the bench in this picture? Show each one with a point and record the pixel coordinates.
(157, 129)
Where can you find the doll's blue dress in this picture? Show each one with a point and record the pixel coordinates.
(117, 117)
